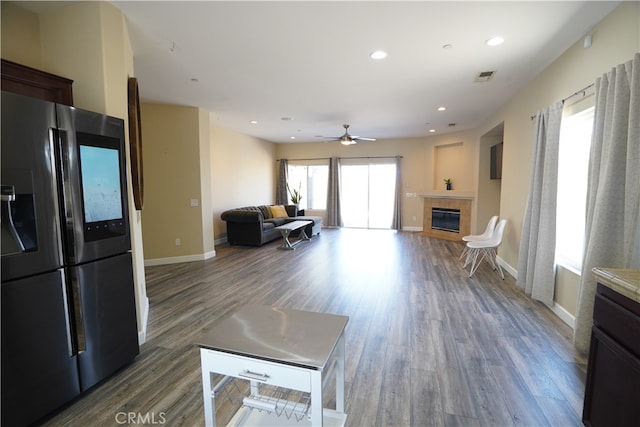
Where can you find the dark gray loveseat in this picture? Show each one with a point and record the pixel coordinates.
(255, 226)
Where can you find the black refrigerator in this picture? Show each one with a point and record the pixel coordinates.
(68, 304)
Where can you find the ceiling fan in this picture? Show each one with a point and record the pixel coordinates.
(347, 139)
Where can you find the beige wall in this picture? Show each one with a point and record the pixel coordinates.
(614, 40)
(173, 147)
(206, 191)
(72, 46)
(242, 172)
(87, 42)
(20, 35)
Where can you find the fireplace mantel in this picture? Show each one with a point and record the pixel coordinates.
(450, 194)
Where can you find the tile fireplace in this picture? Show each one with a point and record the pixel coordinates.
(447, 216)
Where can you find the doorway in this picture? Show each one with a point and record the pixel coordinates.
(367, 195)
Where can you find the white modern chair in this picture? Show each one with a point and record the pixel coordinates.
(491, 225)
(486, 250)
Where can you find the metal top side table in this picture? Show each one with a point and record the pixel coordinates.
(281, 347)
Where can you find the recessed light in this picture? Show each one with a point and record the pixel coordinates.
(495, 41)
(254, 122)
(447, 46)
(292, 137)
(442, 108)
(378, 54)
(432, 130)
(194, 80)
(286, 119)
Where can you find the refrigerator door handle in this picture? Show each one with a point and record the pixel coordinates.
(67, 315)
(8, 195)
(65, 200)
(78, 316)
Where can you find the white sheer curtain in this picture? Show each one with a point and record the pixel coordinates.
(536, 271)
(612, 235)
(334, 217)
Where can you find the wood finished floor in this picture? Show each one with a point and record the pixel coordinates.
(425, 344)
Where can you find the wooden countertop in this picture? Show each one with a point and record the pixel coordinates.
(625, 282)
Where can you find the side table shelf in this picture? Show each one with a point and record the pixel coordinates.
(271, 406)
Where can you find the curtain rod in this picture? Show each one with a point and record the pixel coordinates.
(327, 158)
(581, 91)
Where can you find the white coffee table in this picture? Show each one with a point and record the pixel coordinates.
(286, 229)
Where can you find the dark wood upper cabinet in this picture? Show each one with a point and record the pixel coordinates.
(28, 81)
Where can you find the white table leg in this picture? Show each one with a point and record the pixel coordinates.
(316, 398)
(303, 234)
(207, 392)
(340, 374)
(285, 235)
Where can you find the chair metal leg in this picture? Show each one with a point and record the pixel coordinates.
(464, 251)
(475, 263)
(469, 257)
(489, 254)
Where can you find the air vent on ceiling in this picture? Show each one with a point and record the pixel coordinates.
(484, 76)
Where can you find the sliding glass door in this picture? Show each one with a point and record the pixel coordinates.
(367, 195)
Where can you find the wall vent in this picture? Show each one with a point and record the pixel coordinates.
(484, 76)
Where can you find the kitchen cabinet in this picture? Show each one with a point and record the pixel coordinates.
(612, 392)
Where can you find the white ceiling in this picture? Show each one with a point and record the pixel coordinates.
(309, 61)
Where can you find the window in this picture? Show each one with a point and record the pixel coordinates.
(573, 165)
(312, 181)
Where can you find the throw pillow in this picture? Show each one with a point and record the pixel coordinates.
(278, 211)
(266, 212)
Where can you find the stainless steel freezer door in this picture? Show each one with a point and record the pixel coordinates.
(39, 373)
(107, 328)
(28, 167)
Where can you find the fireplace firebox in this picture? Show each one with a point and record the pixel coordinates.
(445, 219)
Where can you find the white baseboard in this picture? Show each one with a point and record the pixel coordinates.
(557, 309)
(411, 228)
(508, 268)
(179, 259)
(142, 335)
(564, 315)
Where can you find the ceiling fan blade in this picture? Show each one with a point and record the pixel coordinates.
(346, 138)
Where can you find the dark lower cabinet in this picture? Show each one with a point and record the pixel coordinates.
(612, 392)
